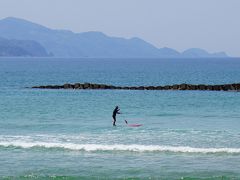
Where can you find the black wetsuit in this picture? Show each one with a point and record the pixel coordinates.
(115, 112)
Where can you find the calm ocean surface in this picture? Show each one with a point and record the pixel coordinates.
(68, 134)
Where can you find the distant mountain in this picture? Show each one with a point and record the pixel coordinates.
(23, 48)
(196, 52)
(63, 43)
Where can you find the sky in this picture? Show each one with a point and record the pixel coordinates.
(213, 25)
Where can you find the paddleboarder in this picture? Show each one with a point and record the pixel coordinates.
(115, 112)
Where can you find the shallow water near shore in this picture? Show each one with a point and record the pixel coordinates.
(68, 134)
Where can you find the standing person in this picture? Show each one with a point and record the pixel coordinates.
(115, 112)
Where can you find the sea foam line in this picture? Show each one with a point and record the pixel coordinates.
(119, 147)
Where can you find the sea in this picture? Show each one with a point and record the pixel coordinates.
(68, 134)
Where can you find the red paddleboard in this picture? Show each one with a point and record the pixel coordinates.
(132, 125)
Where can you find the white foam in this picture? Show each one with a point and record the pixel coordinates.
(119, 147)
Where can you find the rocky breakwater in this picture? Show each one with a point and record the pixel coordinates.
(201, 87)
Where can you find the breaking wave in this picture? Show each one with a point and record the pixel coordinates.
(118, 147)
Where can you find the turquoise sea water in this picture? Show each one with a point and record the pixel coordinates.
(68, 134)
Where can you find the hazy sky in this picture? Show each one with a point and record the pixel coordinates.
(210, 24)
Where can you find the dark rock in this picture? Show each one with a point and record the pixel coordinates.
(189, 87)
(56, 87)
(48, 87)
(140, 88)
(224, 87)
(194, 87)
(216, 88)
(90, 86)
(134, 88)
(81, 86)
(183, 87)
(202, 87)
(53, 87)
(236, 86)
(159, 87)
(111, 87)
(107, 87)
(95, 86)
(86, 85)
(221, 87)
(166, 87)
(209, 87)
(175, 87)
(102, 86)
(77, 86)
(232, 88)
(150, 88)
(68, 86)
(228, 87)
(118, 87)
